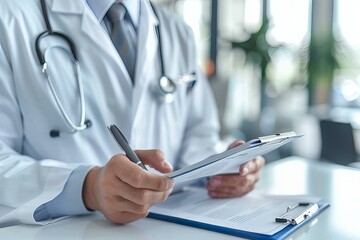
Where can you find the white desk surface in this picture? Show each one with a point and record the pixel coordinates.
(336, 184)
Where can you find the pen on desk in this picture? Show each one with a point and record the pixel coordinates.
(120, 138)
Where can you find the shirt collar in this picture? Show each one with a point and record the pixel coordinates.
(100, 7)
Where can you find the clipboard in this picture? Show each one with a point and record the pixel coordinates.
(230, 160)
(170, 212)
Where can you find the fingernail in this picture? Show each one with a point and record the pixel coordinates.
(167, 165)
(170, 184)
(250, 166)
(170, 190)
(244, 171)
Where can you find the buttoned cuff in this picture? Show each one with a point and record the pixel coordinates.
(69, 202)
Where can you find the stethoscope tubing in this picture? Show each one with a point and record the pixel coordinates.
(82, 125)
(72, 53)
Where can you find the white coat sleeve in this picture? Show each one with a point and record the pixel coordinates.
(25, 183)
(201, 136)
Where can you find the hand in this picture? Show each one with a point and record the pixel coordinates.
(233, 185)
(123, 191)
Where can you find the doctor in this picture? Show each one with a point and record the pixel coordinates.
(64, 80)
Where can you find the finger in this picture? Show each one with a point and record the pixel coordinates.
(229, 180)
(137, 177)
(120, 204)
(133, 207)
(154, 158)
(236, 143)
(140, 196)
(252, 166)
(133, 212)
(219, 195)
(230, 192)
(260, 161)
(232, 180)
(233, 191)
(124, 217)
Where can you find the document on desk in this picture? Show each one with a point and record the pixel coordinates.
(230, 161)
(252, 216)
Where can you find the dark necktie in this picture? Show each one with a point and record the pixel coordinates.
(121, 36)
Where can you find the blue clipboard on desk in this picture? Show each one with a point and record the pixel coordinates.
(229, 161)
(253, 216)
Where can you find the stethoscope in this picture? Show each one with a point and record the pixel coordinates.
(83, 124)
(163, 89)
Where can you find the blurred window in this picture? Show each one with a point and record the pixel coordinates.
(346, 86)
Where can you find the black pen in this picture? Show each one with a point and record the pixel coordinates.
(120, 138)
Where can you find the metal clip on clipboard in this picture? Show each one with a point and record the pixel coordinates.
(313, 207)
(279, 137)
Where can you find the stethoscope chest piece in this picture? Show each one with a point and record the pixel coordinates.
(164, 89)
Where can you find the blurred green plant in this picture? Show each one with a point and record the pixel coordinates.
(257, 49)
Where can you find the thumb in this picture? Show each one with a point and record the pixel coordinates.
(236, 143)
(155, 159)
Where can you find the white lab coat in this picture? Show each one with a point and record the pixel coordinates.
(33, 166)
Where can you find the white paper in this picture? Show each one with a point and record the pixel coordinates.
(252, 213)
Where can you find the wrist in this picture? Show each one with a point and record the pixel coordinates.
(89, 189)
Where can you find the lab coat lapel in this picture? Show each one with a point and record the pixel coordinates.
(146, 56)
(92, 28)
